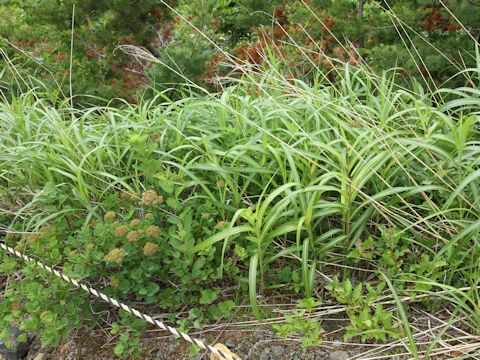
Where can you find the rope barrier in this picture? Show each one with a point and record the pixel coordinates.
(219, 353)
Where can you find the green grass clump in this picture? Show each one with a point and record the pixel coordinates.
(267, 185)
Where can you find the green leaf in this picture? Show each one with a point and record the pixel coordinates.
(252, 285)
(221, 236)
(208, 296)
(119, 349)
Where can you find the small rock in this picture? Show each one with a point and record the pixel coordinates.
(264, 356)
(241, 349)
(339, 355)
(40, 356)
(277, 350)
(17, 350)
(337, 344)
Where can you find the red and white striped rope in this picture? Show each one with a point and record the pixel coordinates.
(119, 304)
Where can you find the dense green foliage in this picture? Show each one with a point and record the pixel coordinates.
(424, 38)
(98, 28)
(264, 153)
(256, 190)
(192, 39)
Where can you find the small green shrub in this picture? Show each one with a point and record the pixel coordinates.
(301, 324)
(130, 330)
(366, 321)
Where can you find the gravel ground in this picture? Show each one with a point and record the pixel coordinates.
(259, 345)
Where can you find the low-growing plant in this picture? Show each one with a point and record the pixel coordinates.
(129, 331)
(367, 319)
(301, 323)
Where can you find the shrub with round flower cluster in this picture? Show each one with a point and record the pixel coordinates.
(140, 253)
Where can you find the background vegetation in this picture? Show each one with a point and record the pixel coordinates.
(430, 40)
(260, 153)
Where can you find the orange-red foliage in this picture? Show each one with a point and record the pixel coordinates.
(436, 19)
(278, 13)
(157, 14)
